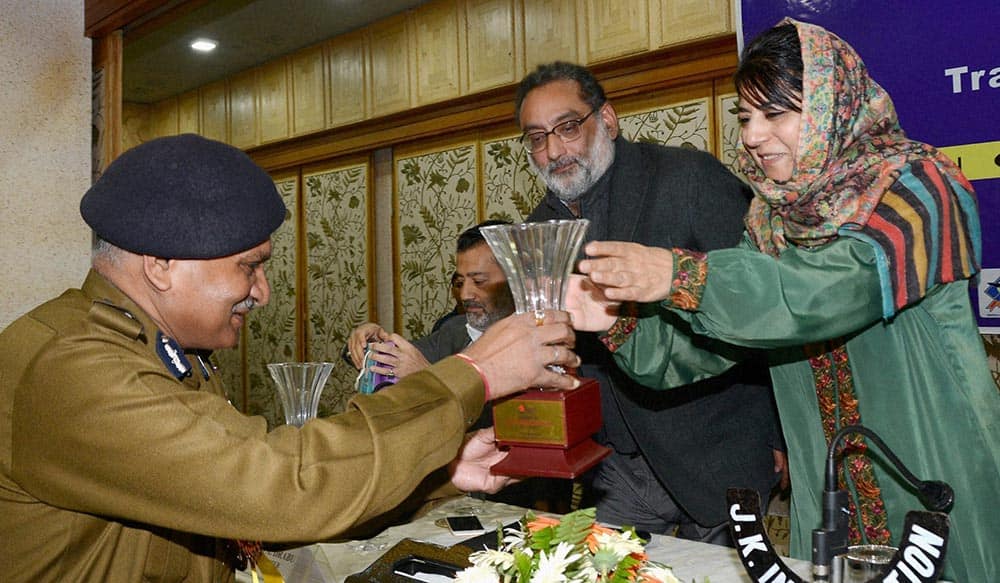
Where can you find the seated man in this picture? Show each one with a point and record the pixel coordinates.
(120, 457)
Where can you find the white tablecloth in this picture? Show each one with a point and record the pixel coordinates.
(332, 563)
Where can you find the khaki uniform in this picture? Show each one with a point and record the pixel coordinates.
(113, 470)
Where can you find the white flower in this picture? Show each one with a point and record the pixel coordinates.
(557, 552)
(492, 558)
(660, 572)
(587, 572)
(623, 544)
(552, 565)
(513, 538)
(477, 574)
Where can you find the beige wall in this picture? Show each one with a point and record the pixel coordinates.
(44, 151)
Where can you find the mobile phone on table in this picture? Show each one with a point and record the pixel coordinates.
(464, 525)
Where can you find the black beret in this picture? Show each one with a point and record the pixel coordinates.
(184, 197)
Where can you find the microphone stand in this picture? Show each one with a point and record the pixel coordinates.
(830, 540)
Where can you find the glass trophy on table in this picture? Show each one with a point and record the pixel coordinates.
(548, 432)
(300, 385)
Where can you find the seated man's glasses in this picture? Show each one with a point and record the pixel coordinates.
(567, 131)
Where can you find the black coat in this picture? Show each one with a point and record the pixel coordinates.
(702, 438)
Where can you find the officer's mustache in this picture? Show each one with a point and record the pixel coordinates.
(246, 306)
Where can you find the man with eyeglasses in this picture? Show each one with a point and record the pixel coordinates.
(675, 452)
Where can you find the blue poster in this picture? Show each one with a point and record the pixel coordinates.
(940, 62)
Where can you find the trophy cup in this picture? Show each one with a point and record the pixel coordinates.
(300, 385)
(547, 431)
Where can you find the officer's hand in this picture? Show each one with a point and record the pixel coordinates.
(514, 353)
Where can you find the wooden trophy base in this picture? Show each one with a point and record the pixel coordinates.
(548, 432)
(551, 462)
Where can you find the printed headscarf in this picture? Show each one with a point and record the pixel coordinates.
(851, 155)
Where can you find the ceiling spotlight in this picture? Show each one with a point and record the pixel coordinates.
(204, 45)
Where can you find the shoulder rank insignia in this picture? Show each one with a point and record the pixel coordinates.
(172, 356)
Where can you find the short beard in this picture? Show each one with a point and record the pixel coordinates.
(503, 307)
(590, 168)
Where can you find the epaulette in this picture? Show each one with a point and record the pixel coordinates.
(117, 318)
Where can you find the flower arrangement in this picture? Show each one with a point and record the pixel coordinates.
(572, 550)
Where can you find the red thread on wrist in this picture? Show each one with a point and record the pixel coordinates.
(486, 384)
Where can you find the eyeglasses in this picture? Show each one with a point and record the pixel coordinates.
(567, 131)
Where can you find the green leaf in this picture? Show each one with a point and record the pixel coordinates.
(575, 526)
(621, 574)
(522, 563)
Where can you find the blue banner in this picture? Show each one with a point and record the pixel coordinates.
(940, 62)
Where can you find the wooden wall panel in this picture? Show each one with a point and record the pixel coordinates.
(308, 85)
(136, 126)
(390, 66)
(108, 102)
(452, 51)
(272, 85)
(685, 20)
(615, 28)
(188, 113)
(550, 32)
(163, 117)
(348, 79)
(213, 111)
(243, 109)
(435, 36)
(493, 56)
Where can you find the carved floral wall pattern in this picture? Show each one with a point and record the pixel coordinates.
(436, 200)
(511, 188)
(684, 125)
(729, 130)
(270, 332)
(337, 227)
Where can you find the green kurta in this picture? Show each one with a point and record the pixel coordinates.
(921, 380)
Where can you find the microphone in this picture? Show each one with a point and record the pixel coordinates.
(830, 540)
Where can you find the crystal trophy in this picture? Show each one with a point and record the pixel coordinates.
(547, 431)
(300, 385)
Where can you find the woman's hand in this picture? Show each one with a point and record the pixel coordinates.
(589, 309)
(629, 271)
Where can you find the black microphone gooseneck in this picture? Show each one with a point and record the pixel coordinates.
(830, 540)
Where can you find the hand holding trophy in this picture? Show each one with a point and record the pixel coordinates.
(547, 431)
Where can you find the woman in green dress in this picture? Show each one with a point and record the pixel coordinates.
(853, 276)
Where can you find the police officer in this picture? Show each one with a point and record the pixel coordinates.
(120, 457)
